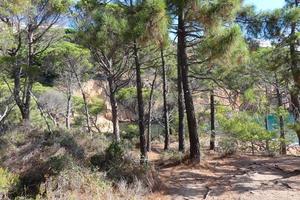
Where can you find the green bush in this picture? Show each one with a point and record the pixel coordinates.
(228, 146)
(8, 180)
(131, 132)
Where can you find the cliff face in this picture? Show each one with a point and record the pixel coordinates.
(98, 88)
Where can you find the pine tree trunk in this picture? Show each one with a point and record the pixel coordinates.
(281, 121)
(189, 105)
(165, 94)
(68, 114)
(296, 76)
(28, 82)
(115, 117)
(295, 104)
(267, 129)
(85, 103)
(212, 121)
(139, 88)
(181, 138)
(150, 112)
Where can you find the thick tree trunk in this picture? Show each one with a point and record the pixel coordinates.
(212, 121)
(139, 89)
(114, 111)
(150, 112)
(165, 100)
(296, 76)
(281, 121)
(295, 104)
(189, 105)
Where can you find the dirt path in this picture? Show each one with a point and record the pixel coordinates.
(237, 177)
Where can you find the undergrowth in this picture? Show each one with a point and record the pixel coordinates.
(69, 165)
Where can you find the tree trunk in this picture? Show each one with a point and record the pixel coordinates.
(114, 110)
(139, 90)
(189, 105)
(150, 112)
(296, 76)
(29, 81)
(68, 113)
(165, 96)
(181, 138)
(296, 112)
(212, 121)
(86, 108)
(267, 128)
(281, 121)
(293, 53)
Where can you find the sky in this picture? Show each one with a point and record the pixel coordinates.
(265, 4)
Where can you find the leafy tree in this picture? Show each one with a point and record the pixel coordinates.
(72, 63)
(30, 25)
(198, 23)
(110, 51)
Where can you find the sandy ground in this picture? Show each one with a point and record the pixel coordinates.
(231, 178)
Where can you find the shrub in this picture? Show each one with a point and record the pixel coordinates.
(131, 132)
(72, 182)
(228, 146)
(8, 181)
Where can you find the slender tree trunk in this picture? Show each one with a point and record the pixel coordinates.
(189, 105)
(114, 111)
(281, 121)
(28, 84)
(212, 121)
(165, 96)
(266, 123)
(139, 88)
(267, 128)
(86, 108)
(69, 106)
(181, 138)
(150, 112)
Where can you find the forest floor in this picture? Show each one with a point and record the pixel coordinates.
(238, 177)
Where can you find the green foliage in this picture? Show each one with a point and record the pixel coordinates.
(96, 106)
(129, 93)
(228, 146)
(148, 22)
(214, 13)
(243, 126)
(8, 180)
(114, 153)
(131, 131)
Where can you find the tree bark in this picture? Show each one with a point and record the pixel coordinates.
(212, 121)
(86, 108)
(139, 89)
(281, 121)
(165, 100)
(114, 110)
(189, 105)
(296, 77)
(267, 129)
(181, 138)
(69, 106)
(150, 112)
